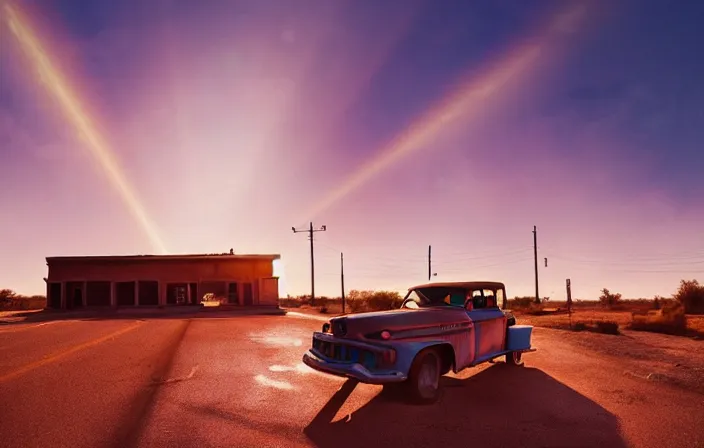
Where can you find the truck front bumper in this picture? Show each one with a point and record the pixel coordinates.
(351, 370)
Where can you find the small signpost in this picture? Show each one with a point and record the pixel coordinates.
(569, 300)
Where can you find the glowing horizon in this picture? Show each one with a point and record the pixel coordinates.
(75, 114)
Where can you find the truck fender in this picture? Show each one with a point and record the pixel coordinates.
(407, 353)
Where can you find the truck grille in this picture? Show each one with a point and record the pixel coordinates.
(345, 353)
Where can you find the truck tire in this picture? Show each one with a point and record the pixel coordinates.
(514, 359)
(424, 377)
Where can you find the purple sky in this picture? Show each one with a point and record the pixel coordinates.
(394, 123)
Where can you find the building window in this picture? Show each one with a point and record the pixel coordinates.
(148, 292)
(125, 293)
(248, 296)
(232, 293)
(177, 293)
(74, 294)
(54, 295)
(98, 293)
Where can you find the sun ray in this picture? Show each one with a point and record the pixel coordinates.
(74, 113)
(468, 100)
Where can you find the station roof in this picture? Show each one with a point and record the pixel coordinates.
(157, 258)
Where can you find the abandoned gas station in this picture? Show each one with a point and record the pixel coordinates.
(161, 280)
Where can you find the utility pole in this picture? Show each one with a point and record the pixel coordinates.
(535, 259)
(430, 270)
(342, 281)
(569, 299)
(310, 231)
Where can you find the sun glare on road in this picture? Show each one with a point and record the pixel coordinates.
(301, 369)
(285, 341)
(268, 382)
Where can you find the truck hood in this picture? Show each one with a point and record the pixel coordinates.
(355, 326)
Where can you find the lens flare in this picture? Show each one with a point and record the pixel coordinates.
(73, 112)
(470, 98)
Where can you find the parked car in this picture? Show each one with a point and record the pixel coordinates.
(439, 327)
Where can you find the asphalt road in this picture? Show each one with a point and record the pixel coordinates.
(239, 382)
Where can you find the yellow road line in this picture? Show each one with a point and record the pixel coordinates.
(60, 355)
(14, 328)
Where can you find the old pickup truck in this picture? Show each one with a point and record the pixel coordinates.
(439, 327)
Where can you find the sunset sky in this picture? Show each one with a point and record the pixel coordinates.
(200, 126)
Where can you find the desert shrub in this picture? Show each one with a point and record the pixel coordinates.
(580, 326)
(607, 327)
(361, 301)
(386, 300)
(290, 302)
(322, 302)
(608, 299)
(9, 300)
(668, 320)
(690, 295)
(535, 309)
(7, 296)
(518, 303)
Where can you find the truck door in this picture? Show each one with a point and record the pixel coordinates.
(489, 323)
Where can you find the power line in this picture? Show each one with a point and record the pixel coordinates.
(484, 257)
(503, 263)
(457, 257)
(692, 255)
(640, 271)
(644, 263)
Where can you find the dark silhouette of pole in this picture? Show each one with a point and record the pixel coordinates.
(310, 231)
(430, 269)
(312, 267)
(535, 259)
(569, 299)
(342, 281)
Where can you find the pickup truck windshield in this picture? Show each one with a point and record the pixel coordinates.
(438, 296)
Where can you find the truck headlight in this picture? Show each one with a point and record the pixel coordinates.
(383, 334)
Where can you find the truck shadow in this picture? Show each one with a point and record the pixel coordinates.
(499, 406)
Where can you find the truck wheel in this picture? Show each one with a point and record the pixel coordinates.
(514, 359)
(424, 378)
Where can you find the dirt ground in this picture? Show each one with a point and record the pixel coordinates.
(623, 318)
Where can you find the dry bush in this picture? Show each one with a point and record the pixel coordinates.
(520, 303)
(290, 302)
(691, 295)
(323, 303)
(609, 299)
(599, 326)
(362, 301)
(607, 327)
(535, 309)
(580, 326)
(669, 320)
(11, 301)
